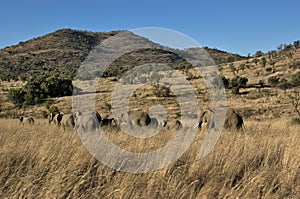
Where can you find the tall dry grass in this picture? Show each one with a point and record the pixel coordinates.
(42, 161)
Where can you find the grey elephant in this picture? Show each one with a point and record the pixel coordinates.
(176, 125)
(233, 120)
(139, 118)
(88, 121)
(67, 121)
(26, 120)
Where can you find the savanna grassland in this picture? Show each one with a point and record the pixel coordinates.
(43, 161)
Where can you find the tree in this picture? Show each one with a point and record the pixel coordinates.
(259, 53)
(235, 90)
(242, 67)
(263, 62)
(239, 82)
(40, 88)
(16, 95)
(295, 100)
(261, 83)
(232, 68)
(295, 81)
(297, 44)
(255, 60)
(226, 82)
(284, 84)
(243, 81)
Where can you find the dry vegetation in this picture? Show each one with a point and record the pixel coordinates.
(42, 161)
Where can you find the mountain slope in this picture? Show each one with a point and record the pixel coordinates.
(61, 50)
(65, 49)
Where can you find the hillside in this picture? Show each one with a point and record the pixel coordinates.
(62, 50)
(272, 77)
(65, 49)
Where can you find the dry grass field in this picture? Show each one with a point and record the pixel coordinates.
(43, 161)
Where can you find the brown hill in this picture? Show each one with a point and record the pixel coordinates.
(62, 50)
(65, 49)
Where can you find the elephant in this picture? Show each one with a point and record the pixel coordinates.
(67, 121)
(233, 120)
(155, 123)
(88, 121)
(176, 125)
(55, 118)
(139, 118)
(97, 115)
(26, 120)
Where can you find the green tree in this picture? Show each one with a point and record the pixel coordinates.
(263, 62)
(259, 53)
(16, 95)
(239, 82)
(297, 44)
(295, 80)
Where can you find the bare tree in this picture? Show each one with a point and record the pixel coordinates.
(295, 99)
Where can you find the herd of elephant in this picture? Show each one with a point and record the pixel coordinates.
(92, 120)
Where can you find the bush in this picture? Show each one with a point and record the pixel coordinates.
(295, 121)
(161, 91)
(269, 69)
(53, 109)
(261, 83)
(39, 88)
(235, 90)
(16, 95)
(273, 80)
(239, 82)
(226, 82)
(295, 81)
(284, 84)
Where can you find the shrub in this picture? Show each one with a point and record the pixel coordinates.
(273, 80)
(284, 84)
(269, 69)
(239, 82)
(295, 81)
(226, 82)
(161, 91)
(261, 83)
(263, 62)
(235, 90)
(16, 95)
(39, 88)
(295, 121)
(53, 109)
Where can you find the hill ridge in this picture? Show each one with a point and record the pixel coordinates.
(64, 50)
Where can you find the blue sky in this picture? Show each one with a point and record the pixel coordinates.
(236, 26)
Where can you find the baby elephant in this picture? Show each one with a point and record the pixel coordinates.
(26, 120)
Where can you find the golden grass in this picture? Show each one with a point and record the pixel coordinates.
(42, 161)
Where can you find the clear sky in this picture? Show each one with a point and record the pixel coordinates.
(236, 26)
